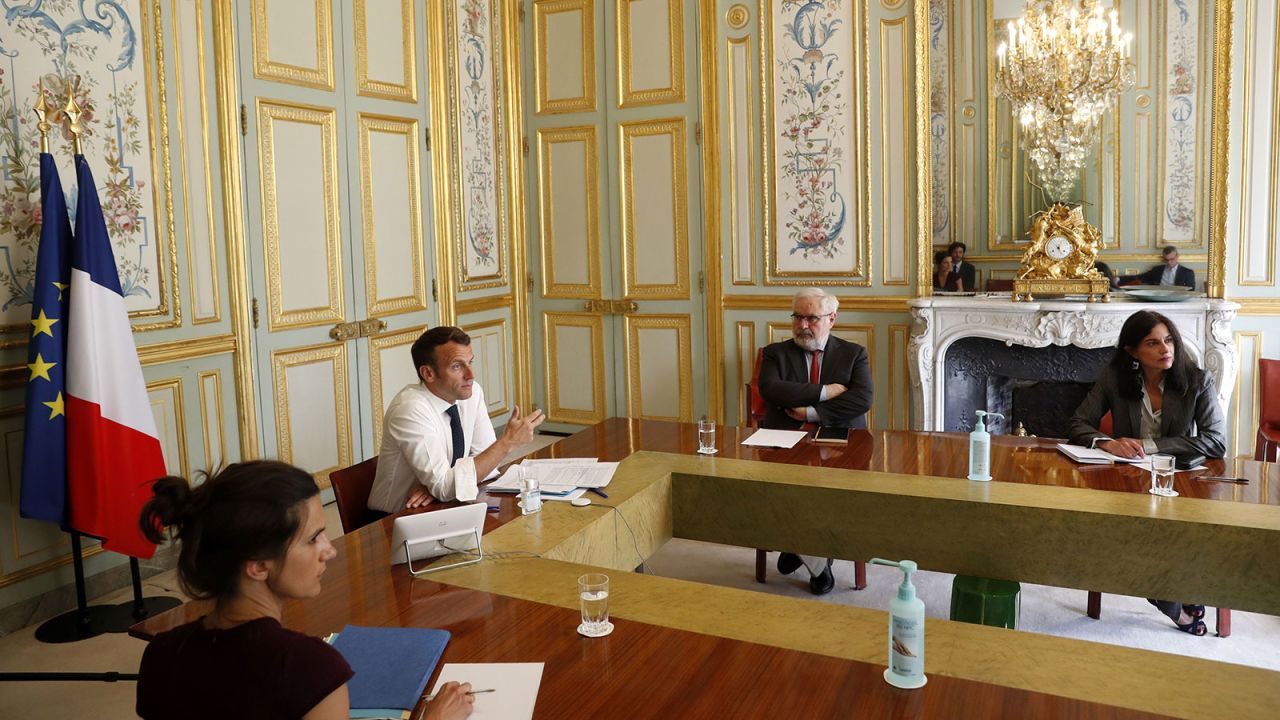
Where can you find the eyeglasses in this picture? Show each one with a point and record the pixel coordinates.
(809, 319)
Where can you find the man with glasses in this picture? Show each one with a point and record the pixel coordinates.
(814, 380)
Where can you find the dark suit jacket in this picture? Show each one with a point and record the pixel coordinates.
(784, 383)
(1191, 423)
(967, 275)
(1183, 276)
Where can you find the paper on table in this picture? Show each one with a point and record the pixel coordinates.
(559, 477)
(1093, 456)
(515, 688)
(775, 438)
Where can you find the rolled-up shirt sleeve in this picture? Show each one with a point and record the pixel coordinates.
(412, 434)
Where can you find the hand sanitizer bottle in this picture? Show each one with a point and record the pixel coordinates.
(980, 449)
(906, 632)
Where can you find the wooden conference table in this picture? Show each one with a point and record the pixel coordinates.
(683, 649)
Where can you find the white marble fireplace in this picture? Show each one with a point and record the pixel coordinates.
(938, 322)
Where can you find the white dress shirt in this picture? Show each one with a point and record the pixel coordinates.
(417, 444)
(1169, 276)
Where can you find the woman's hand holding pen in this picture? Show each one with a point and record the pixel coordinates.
(1123, 447)
(453, 702)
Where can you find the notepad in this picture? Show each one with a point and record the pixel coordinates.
(1093, 456)
(391, 664)
(775, 438)
(515, 688)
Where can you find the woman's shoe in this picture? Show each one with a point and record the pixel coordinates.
(1195, 612)
(1195, 627)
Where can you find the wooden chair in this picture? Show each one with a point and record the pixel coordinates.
(999, 285)
(754, 414)
(351, 488)
(1268, 445)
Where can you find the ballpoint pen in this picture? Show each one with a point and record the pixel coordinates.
(599, 492)
(1214, 478)
(432, 696)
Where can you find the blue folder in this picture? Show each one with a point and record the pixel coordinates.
(392, 664)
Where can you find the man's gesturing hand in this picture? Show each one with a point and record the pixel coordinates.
(519, 429)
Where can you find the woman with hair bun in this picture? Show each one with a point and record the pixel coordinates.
(253, 537)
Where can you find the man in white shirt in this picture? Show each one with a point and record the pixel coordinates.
(1170, 273)
(437, 439)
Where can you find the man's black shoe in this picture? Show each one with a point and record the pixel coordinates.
(788, 562)
(823, 582)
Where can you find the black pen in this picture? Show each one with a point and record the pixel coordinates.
(1215, 478)
(599, 492)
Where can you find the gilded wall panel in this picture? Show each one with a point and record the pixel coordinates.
(650, 52)
(313, 418)
(391, 215)
(568, 202)
(387, 67)
(1260, 137)
(293, 42)
(896, 207)
(575, 384)
(654, 196)
(191, 67)
(390, 369)
(170, 413)
(298, 171)
(658, 351)
(740, 160)
(564, 47)
(492, 362)
(212, 418)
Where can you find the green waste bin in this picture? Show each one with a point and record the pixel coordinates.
(984, 601)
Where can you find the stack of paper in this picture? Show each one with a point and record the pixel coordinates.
(1093, 456)
(558, 478)
(775, 438)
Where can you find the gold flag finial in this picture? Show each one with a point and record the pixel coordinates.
(72, 111)
(41, 109)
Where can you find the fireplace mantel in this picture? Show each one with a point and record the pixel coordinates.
(937, 322)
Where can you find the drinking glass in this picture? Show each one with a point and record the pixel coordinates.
(593, 598)
(530, 490)
(1162, 475)
(706, 437)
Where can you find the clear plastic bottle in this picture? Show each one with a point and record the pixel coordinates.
(530, 492)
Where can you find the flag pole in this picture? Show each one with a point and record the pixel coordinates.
(85, 621)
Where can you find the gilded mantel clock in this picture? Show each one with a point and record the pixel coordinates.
(1060, 258)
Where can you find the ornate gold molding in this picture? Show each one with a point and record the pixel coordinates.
(335, 354)
(708, 79)
(224, 61)
(186, 349)
(1258, 306)
(442, 215)
(848, 303)
(584, 135)
(674, 92)
(264, 68)
(512, 86)
(212, 399)
(370, 87)
(627, 132)
(269, 113)
(503, 336)
(551, 351)
(492, 302)
(544, 104)
(407, 129)
(174, 386)
(377, 345)
(682, 324)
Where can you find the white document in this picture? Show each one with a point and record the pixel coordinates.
(514, 685)
(775, 438)
(1093, 456)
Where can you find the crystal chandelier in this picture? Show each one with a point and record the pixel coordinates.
(1063, 66)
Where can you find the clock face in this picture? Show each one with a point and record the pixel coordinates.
(1058, 247)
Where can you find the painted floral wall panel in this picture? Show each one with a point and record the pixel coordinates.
(106, 44)
(813, 138)
(481, 126)
(1181, 106)
(939, 101)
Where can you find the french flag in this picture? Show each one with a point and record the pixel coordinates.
(113, 450)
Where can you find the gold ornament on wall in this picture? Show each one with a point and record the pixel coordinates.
(737, 16)
(1061, 257)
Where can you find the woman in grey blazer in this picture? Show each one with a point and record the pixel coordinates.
(1160, 402)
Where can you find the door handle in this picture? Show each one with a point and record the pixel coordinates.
(343, 332)
(611, 307)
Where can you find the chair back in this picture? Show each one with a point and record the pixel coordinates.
(351, 488)
(1104, 425)
(999, 285)
(1269, 393)
(756, 406)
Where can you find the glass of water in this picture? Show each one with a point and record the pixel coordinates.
(593, 598)
(706, 437)
(1162, 475)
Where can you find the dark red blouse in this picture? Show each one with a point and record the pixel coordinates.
(255, 670)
